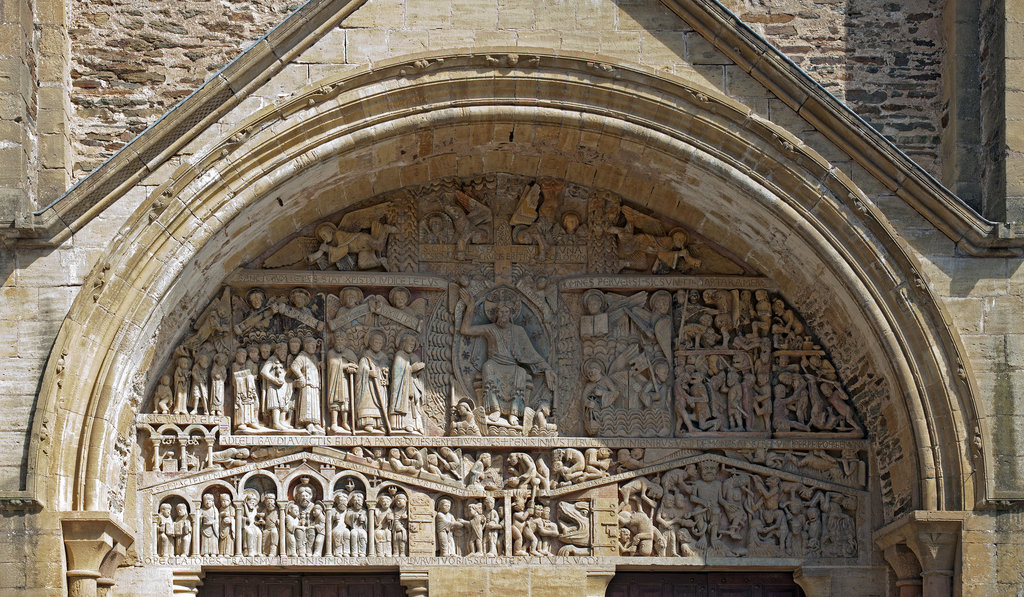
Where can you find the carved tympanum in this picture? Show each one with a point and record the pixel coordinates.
(611, 385)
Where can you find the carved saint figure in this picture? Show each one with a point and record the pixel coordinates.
(227, 526)
(268, 519)
(200, 385)
(445, 523)
(341, 367)
(277, 388)
(164, 531)
(383, 523)
(218, 375)
(509, 348)
(182, 530)
(209, 526)
(355, 520)
(341, 536)
(246, 396)
(305, 532)
(406, 388)
(252, 534)
(400, 528)
(372, 386)
(306, 373)
(182, 374)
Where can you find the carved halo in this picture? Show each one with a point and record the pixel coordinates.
(396, 291)
(502, 297)
(599, 295)
(256, 298)
(325, 232)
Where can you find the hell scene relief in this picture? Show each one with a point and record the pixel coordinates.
(498, 367)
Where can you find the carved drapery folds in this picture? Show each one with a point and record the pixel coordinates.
(499, 368)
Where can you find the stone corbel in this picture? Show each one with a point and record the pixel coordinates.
(816, 582)
(415, 581)
(597, 581)
(934, 539)
(95, 544)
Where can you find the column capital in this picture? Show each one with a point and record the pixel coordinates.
(91, 537)
(415, 580)
(95, 545)
(187, 582)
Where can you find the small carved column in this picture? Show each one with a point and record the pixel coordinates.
(208, 452)
(816, 582)
(282, 510)
(371, 528)
(95, 545)
(186, 583)
(182, 453)
(239, 531)
(328, 529)
(507, 504)
(908, 570)
(196, 505)
(415, 581)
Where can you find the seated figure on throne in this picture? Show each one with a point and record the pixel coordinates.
(507, 382)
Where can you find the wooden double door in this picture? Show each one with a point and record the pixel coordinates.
(624, 584)
(301, 585)
(703, 584)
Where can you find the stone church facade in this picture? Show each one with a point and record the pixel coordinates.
(533, 298)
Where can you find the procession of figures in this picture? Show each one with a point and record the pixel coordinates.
(612, 384)
(560, 502)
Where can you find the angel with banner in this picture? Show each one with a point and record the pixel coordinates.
(533, 222)
(357, 242)
(636, 249)
(472, 221)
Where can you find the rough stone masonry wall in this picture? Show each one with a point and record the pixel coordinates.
(134, 59)
(882, 57)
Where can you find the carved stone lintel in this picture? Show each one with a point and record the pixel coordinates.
(816, 582)
(95, 545)
(415, 581)
(187, 582)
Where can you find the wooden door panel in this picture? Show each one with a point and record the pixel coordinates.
(300, 585)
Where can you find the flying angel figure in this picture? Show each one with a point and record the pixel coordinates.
(472, 221)
(357, 242)
(667, 248)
